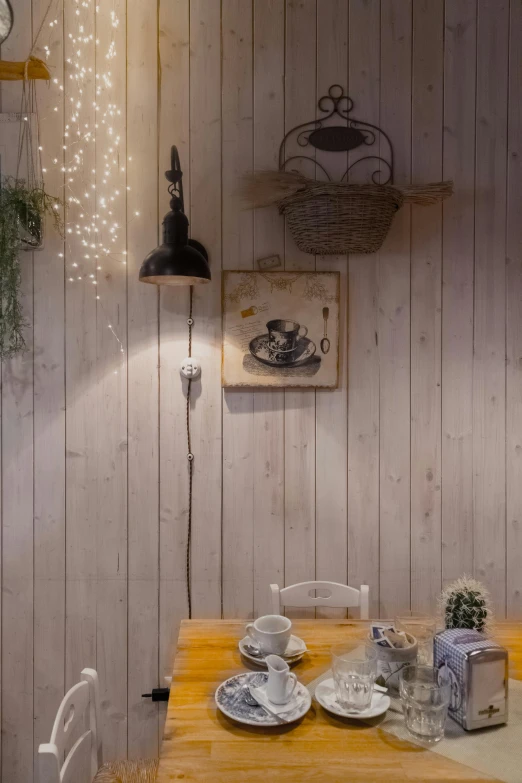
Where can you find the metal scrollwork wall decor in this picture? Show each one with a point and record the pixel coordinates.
(346, 216)
(351, 135)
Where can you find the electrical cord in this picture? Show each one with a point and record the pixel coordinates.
(190, 457)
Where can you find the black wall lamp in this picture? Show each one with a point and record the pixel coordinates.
(179, 260)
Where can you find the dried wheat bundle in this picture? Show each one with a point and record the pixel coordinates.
(264, 188)
(426, 195)
(335, 217)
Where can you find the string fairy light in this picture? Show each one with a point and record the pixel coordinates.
(93, 165)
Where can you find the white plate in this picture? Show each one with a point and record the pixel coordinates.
(230, 700)
(325, 695)
(293, 653)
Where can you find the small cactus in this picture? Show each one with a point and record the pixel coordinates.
(465, 604)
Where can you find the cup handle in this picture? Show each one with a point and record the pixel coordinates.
(293, 678)
(302, 334)
(250, 632)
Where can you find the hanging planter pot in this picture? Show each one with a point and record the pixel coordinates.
(336, 218)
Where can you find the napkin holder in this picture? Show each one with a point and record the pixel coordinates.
(478, 670)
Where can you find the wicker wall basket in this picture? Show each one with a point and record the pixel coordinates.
(336, 218)
(331, 218)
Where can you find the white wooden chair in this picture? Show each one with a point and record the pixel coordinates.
(333, 594)
(78, 715)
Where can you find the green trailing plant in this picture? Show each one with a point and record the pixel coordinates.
(22, 214)
(465, 604)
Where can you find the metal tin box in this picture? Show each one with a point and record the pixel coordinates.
(478, 669)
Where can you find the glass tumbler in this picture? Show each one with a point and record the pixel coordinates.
(354, 672)
(425, 696)
(423, 627)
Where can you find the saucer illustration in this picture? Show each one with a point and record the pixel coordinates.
(303, 351)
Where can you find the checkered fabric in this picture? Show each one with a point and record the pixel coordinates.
(450, 649)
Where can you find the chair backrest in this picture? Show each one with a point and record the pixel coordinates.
(78, 714)
(333, 594)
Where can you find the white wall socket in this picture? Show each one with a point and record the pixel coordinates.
(190, 368)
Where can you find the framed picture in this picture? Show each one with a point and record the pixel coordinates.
(281, 329)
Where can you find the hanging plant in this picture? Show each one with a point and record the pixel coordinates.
(22, 214)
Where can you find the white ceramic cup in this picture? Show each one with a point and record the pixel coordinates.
(271, 633)
(281, 681)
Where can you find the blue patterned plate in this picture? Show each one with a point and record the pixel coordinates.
(231, 701)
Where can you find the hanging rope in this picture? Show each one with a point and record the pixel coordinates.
(33, 68)
(190, 457)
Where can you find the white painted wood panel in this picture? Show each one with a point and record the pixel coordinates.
(80, 392)
(514, 320)
(426, 295)
(331, 405)
(457, 292)
(111, 388)
(489, 386)
(143, 381)
(237, 147)
(394, 317)
(205, 214)
(300, 106)
(269, 430)
(363, 343)
(49, 417)
(17, 460)
(288, 485)
(174, 128)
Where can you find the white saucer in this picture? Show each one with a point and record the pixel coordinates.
(293, 653)
(231, 701)
(325, 695)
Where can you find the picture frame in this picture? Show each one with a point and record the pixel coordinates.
(280, 329)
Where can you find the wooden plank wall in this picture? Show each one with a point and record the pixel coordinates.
(404, 477)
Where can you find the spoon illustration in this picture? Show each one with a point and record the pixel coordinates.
(325, 342)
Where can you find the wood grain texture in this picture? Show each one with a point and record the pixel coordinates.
(111, 414)
(201, 744)
(457, 292)
(81, 404)
(300, 106)
(174, 128)
(288, 485)
(363, 342)
(205, 214)
(489, 383)
(143, 382)
(426, 306)
(394, 317)
(514, 321)
(269, 239)
(49, 423)
(238, 253)
(17, 460)
(331, 447)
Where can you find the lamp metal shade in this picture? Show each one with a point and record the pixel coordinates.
(168, 265)
(179, 260)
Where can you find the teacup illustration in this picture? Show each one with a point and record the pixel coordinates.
(283, 338)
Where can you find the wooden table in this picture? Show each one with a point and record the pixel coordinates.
(201, 744)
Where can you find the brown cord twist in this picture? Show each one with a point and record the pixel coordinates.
(190, 458)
